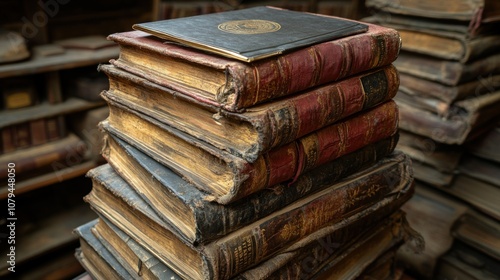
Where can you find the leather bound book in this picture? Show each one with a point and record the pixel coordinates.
(333, 252)
(431, 38)
(361, 195)
(260, 127)
(134, 258)
(95, 258)
(8, 139)
(38, 132)
(188, 211)
(235, 85)
(450, 73)
(55, 128)
(474, 12)
(466, 119)
(253, 33)
(227, 177)
(22, 137)
(444, 94)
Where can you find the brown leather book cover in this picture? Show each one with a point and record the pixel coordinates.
(38, 132)
(167, 192)
(228, 177)
(261, 127)
(358, 197)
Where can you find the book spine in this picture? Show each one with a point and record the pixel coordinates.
(8, 139)
(38, 132)
(22, 138)
(325, 105)
(450, 73)
(266, 202)
(56, 128)
(333, 246)
(279, 123)
(233, 254)
(309, 67)
(289, 161)
(451, 131)
(446, 72)
(242, 85)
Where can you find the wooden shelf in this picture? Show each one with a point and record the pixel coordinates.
(49, 179)
(71, 58)
(44, 110)
(53, 233)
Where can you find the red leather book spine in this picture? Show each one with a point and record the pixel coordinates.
(315, 149)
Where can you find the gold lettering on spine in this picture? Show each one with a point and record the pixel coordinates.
(243, 253)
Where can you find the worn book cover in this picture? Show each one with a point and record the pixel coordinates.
(447, 72)
(133, 257)
(253, 33)
(427, 37)
(464, 121)
(235, 85)
(433, 215)
(442, 96)
(487, 146)
(480, 232)
(187, 209)
(465, 262)
(95, 258)
(346, 256)
(227, 177)
(362, 195)
(261, 127)
(474, 12)
(481, 169)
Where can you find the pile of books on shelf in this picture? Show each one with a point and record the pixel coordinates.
(255, 165)
(448, 99)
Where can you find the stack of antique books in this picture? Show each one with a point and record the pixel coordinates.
(255, 143)
(448, 99)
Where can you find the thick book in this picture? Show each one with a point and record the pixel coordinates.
(188, 211)
(227, 177)
(480, 195)
(337, 257)
(433, 215)
(133, 257)
(297, 260)
(480, 232)
(260, 127)
(443, 94)
(473, 11)
(429, 38)
(481, 169)
(253, 33)
(433, 163)
(356, 261)
(95, 258)
(486, 146)
(466, 120)
(464, 262)
(447, 72)
(223, 258)
(235, 85)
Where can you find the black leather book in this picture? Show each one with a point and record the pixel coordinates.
(253, 33)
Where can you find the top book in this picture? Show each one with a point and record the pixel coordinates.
(252, 34)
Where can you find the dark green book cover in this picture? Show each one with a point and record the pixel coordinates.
(254, 33)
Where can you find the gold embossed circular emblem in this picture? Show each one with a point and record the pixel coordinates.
(251, 26)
